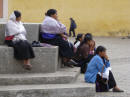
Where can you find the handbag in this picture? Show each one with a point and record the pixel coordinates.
(101, 84)
(36, 44)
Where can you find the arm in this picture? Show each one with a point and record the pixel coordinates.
(107, 63)
(100, 65)
(11, 29)
(64, 36)
(102, 71)
(85, 51)
(22, 29)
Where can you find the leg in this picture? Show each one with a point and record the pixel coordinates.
(112, 83)
(73, 32)
(70, 32)
(27, 64)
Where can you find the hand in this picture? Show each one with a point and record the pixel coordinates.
(64, 36)
(106, 57)
(101, 75)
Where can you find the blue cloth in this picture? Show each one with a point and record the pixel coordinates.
(106, 62)
(95, 66)
(48, 36)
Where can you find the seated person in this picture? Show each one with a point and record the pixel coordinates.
(83, 55)
(53, 32)
(99, 64)
(92, 44)
(15, 36)
(78, 40)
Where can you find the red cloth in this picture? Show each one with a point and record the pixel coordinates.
(9, 38)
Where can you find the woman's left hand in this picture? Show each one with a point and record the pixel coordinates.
(64, 36)
(106, 57)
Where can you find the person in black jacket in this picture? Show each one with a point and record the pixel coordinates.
(73, 26)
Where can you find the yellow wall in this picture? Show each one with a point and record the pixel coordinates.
(100, 17)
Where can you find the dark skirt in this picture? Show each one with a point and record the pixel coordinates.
(65, 49)
(102, 85)
(22, 49)
(111, 81)
(84, 63)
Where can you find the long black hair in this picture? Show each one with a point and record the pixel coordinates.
(17, 13)
(78, 38)
(51, 12)
(87, 38)
(89, 35)
(100, 49)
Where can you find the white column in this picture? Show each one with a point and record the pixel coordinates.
(5, 11)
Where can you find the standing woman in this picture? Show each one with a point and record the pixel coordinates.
(15, 36)
(73, 26)
(53, 33)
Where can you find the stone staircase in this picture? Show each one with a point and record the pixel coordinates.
(48, 77)
(59, 84)
(63, 76)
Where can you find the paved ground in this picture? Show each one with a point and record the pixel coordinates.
(119, 54)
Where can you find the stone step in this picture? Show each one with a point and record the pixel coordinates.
(57, 90)
(65, 75)
(46, 61)
(111, 94)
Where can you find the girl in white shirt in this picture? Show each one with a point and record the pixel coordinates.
(78, 40)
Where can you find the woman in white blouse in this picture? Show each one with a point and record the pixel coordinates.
(15, 36)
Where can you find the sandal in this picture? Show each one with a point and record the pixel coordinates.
(117, 90)
(69, 64)
(27, 67)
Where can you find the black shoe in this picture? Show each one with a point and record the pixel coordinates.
(69, 64)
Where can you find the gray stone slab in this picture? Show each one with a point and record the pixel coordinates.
(32, 31)
(31, 28)
(60, 63)
(2, 33)
(45, 62)
(58, 90)
(111, 94)
(65, 75)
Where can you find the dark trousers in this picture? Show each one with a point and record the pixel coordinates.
(111, 82)
(84, 63)
(65, 49)
(72, 30)
(101, 85)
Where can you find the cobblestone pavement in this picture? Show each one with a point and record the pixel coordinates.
(119, 54)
